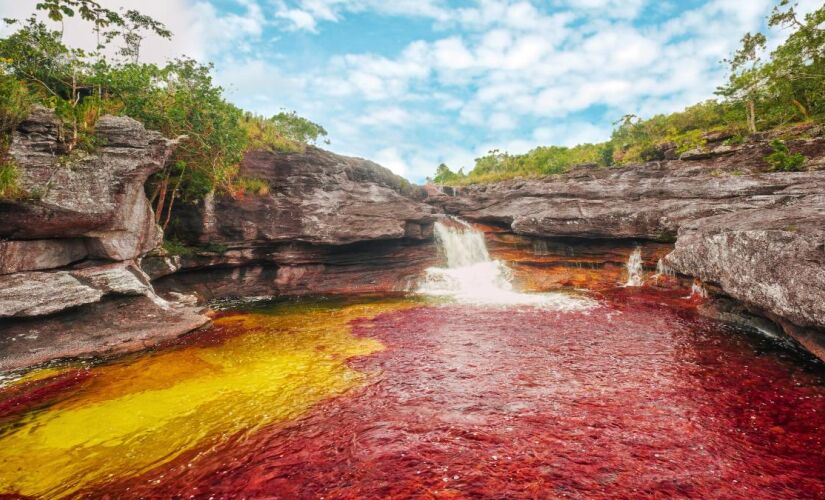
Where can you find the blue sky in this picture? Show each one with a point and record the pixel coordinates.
(412, 83)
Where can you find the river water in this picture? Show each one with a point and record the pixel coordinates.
(445, 393)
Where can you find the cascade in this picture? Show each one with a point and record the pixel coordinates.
(663, 269)
(697, 290)
(635, 271)
(472, 276)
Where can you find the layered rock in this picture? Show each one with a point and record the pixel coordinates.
(75, 239)
(327, 224)
(754, 235)
(649, 201)
(770, 260)
(96, 199)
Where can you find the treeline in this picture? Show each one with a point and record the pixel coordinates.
(764, 92)
(179, 99)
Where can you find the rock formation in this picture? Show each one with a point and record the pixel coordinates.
(757, 236)
(75, 240)
(80, 256)
(327, 224)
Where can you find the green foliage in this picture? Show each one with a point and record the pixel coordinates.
(9, 180)
(443, 175)
(175, 247)
(15, 102)
(264, 134)
(781, 159)
(179, 99)
(253, 186)
(297, 128)
(786, 85)
(498, 165)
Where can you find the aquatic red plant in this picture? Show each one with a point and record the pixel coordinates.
(640, 397)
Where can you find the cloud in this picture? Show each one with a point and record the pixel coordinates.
(512, 74)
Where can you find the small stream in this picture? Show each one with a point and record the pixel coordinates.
(468, 388)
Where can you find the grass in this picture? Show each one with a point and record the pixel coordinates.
(9, 180)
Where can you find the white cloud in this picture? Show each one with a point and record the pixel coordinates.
(511, 74)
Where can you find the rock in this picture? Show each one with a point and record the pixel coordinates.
(41, 293)
(771, 259)
(115, 326)
(647, 203)
(96, 196)
(329, 224)
(716, 137)
(37, 294)
(291, 269)
(696, 154)
(36, 255)
(120, 278)
(317, 197)
(158, 266)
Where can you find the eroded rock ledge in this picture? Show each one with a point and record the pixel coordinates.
(757, 236)
(329, 224)
(75, 241)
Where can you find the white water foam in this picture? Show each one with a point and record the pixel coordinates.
(472, 277)
(635, 269)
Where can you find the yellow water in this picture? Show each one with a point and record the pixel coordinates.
(144, 411)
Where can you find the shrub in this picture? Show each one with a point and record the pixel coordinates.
(781, 160)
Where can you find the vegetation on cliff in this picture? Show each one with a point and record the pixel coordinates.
(781, 90)
(179, 99)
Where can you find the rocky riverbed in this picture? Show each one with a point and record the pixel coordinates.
(82, 272)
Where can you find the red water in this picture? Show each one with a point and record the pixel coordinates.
(640, 397)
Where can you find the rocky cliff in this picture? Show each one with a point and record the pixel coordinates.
(75, 240)
(82, 271)
(753, 235)
(327, 224)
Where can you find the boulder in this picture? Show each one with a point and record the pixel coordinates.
(772, 260)
(114, 326)
(35, 255)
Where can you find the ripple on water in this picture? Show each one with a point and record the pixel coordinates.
(637, 397)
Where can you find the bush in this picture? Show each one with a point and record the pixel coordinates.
(781, 160)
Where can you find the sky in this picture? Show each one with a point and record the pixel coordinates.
(414, 83)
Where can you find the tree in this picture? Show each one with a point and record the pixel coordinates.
(748, 77)
(134, 28)
(443, 175)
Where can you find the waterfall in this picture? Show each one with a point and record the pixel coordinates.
(697, 290)
(471, 276)
(635, 271)
(663, 269)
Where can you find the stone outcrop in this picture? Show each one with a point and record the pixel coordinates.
(74, 241)
(97, 199)
(649, 201)
(314, 197)
(770, 260)
(754, 235)
(327, 224)
(113, 326)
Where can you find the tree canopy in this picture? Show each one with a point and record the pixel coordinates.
(180, 99)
